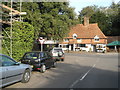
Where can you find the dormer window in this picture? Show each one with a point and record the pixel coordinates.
(96, 38)
(74, 36)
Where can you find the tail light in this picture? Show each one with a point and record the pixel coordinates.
(38, 68)
(53, 57)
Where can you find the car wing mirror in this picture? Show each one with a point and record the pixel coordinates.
(17, 63)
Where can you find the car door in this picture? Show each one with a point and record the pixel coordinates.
(48, 60)
(43, 58)
(2, 73)
(12, 71)
(2, 76)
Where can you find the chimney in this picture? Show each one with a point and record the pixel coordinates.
(86, 21)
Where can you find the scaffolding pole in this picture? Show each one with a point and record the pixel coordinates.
(11, 32)
(20, 8)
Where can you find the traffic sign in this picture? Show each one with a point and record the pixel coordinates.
(41, 41)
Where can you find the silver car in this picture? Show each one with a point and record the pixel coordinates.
(12, 71)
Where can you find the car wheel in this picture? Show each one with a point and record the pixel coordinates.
(60, 54)
(54, 64)
(62, 60)
(26, 76)
(43, 69)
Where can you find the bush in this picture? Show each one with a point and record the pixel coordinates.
(22, 39)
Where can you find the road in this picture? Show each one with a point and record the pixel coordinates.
(85, 70)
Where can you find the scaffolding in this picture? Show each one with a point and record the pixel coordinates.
(11, 14)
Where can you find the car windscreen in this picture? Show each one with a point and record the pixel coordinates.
(57, 50)
(31, 55)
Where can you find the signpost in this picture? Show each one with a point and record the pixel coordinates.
(41, 40)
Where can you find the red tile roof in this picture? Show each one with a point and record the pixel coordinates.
(88, 31)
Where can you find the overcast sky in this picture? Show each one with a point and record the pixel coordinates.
(79, 4)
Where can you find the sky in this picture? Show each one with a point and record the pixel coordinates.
(79, 4)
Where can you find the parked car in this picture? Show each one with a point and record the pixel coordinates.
(57, 53)
(38, 60)
(12, 71)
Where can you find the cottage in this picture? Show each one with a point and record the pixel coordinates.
(85, 37)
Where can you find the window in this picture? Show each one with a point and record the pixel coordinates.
(96, 38)
(74, 36)
(6, 61)
(31, 56)
(42, 55)
(64, 46)
(81, 45)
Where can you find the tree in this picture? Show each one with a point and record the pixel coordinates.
(106, 17)
(33, 16)
(87, 11)
(22, 40)
(50, 19)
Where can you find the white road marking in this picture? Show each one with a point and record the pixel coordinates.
(87, 72)
(81, 78)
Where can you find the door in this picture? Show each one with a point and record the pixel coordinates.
(71, 47)
(50, 60)
(94, 48)
(2, 73)
(43, 59)
(47, 60)
(2, 76)
(12, 71)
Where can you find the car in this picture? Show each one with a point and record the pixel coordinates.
(38, 60)
(57, 53)
(12, 71)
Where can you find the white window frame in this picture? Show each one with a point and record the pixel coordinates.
(74, 36)
(96, 39)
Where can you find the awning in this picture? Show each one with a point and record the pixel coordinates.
(114, 43)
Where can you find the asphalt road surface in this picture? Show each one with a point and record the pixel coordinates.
(84, 70)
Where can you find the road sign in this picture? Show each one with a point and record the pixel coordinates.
(41, 41)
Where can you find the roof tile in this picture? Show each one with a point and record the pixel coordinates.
(89, 31)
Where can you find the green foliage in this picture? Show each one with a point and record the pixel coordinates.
(107, 18)
(87, 11)
(33, 16)
(50, 19)
(102, 21)
(22, 39)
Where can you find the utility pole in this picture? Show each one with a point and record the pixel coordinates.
(11, 32)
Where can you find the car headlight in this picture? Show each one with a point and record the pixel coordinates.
(37, 60)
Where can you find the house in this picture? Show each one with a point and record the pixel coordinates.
(85, 37)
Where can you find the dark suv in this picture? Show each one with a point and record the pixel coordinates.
(57, 53)
(38, 60)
